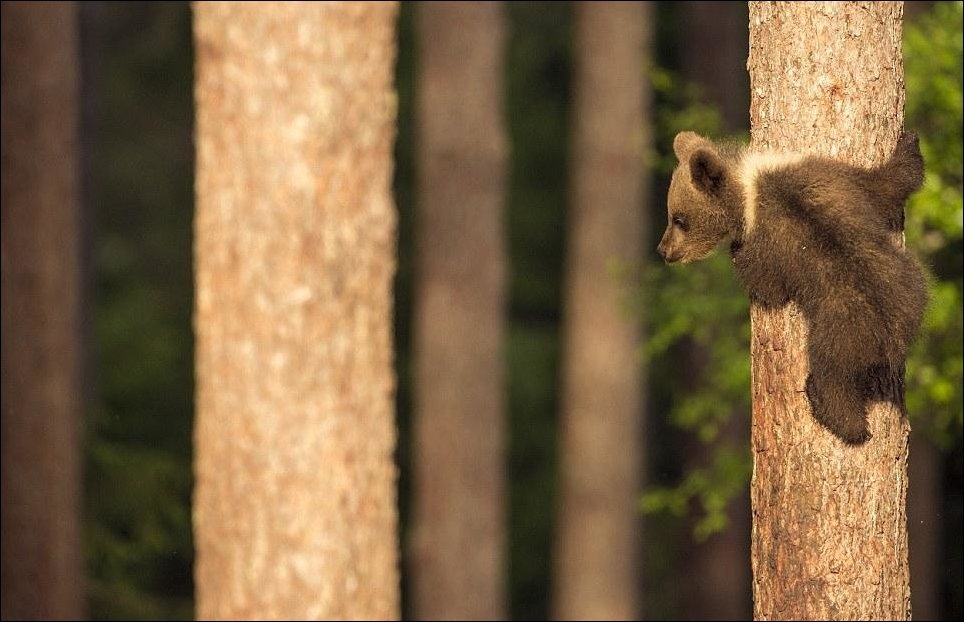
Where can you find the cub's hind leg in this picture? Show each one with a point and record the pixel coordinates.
(892, 183)
(838, 405)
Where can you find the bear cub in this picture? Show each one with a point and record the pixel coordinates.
(820, 233)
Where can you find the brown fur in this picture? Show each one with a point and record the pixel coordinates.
(818, 232)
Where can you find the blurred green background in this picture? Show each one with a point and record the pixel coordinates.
(138, 184)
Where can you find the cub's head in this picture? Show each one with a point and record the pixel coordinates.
(696, 205)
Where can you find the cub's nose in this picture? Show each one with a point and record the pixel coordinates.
(661, 249)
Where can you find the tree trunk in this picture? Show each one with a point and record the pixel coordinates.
(459, 535)
(715, 577)
(925, 527)
(597, 565)
(720, 28)
(829, 534)
(713, 574)
(294, 507)
(41, 279)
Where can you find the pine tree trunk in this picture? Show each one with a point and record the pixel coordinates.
(42, 388)
(294, 508)
(715, 574)
(829, 528)
(597, 565)
(925, 527)
(459, 537)
(719, 26)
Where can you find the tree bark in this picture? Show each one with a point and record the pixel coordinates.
(829, 534)
(294, 507)
(41, 279)
(459, 538)
(597, 565)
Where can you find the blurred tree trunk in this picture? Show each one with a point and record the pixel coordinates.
(716, 576)
(459, 538)
(294, 507)
(911, 11)
(713, 56)
(924, 501)
(597, 565)
(830, 532)
(41, 276)
(718, 579)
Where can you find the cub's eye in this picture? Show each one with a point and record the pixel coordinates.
(679, 222)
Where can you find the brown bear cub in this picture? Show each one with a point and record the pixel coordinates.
(820, 233)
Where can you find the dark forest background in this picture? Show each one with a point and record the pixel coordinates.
(138, 185)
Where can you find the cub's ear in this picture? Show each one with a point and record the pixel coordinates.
(708, 171)
(686, 142)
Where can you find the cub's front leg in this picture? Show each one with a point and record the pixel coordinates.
(764, 280)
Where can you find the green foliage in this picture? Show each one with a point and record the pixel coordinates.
(139, 539)
(678, 107)
(532, 357)
(933, 68)
(699, 329)
(701, 315)
(702, 306)
(713, 486)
